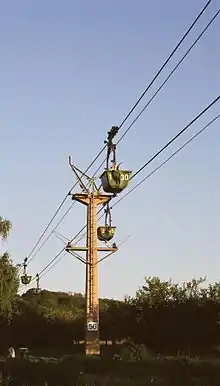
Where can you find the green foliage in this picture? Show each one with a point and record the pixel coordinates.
(9, 282)
(55, 305)
(5, 227)
(9, 285)
(163, 318)
(178, 318)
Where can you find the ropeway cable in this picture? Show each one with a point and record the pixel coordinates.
(161, 165)
(29, 259)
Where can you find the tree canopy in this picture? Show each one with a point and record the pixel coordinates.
(166, 317)
(9, 281)
(5, 227)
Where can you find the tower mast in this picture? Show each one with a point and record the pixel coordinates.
(113, 182)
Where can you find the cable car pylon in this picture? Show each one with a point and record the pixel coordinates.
(113, 182)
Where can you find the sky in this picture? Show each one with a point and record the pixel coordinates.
(69, 71)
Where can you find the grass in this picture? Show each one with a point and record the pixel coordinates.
(80, 370)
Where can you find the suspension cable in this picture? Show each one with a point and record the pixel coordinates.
(163, 84)
(176, 136)
(164, 148)
(50, 234)
(169, 76)
(122, 123)
(165, 63)
(61, 205)
(162, 164)
(51, 262)
(51, 267)
(61, 258)
(168, 158)
(158, 167)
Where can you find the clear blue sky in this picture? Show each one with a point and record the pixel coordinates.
(69, 71)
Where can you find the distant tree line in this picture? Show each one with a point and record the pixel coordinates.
(168, 318)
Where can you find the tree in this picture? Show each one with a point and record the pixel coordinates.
(9, 281)
(176, 318)
(5, 227)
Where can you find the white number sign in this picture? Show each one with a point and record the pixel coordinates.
(125, 177)
(92, 326)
